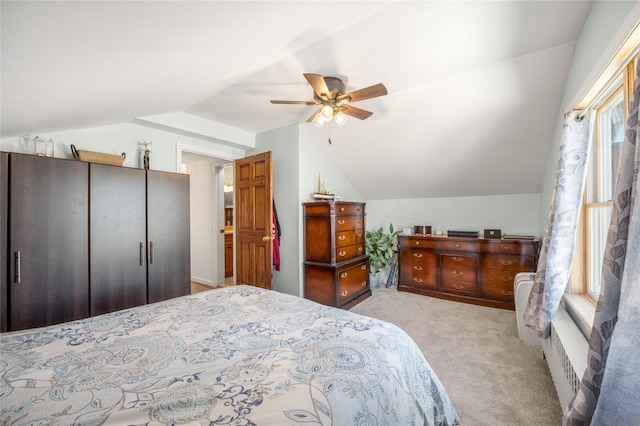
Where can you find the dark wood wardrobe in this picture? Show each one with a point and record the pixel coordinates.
(84, 239)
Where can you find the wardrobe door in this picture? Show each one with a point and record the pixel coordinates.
(117, 238)
(4, 205)
(49, 263)
(169, 263)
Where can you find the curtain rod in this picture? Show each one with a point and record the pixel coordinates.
(581, 113)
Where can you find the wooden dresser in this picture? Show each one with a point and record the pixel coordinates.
(472, 270)
(336, 266)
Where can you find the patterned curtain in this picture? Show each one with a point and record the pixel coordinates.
(556, 254)
(610, 389)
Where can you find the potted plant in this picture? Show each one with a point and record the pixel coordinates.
(380, 245)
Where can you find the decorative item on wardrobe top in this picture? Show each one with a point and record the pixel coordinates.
(144, 157)
(98, 157)
(43, 147)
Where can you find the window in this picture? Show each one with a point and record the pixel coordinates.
(611, 111)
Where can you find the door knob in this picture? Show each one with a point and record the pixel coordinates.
(266, 238)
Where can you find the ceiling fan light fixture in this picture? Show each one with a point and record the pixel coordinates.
(341, 119)
(327, 112)
(319, 121)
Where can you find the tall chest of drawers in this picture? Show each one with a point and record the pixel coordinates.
(336, 266)
(472, 270)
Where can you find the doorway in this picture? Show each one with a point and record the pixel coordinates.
(211, 179)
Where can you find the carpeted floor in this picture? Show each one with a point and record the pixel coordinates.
(491, 377)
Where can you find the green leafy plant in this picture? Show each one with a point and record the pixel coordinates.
(380, 246)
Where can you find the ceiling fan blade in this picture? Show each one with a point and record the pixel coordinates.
(294, 102)
(313, 117)
(319, 85)
(355, 112)
(366, 93)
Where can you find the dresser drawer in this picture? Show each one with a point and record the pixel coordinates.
(418, 268)
(416, 257)
(459, 282)
(498, 292)
(498, 277)
(455, 261)
(352, 281)
(349, 252)
(508, 262)
(416, 242)
(459, 245)
(510, 247)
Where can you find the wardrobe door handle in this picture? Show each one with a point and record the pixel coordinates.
(17, 266)
(141, 254)
(151, 252)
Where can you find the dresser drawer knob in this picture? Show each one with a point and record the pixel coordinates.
(417, 254)
(506, 279)
(458, 286)
(341, 209)
(507, 293)
(341, 222)
(364, 284)
(418, 280)
(457, 259)
(363, 267)
(506, 262)
(359, 234)
(458, 273)
(343, 275)
(344, 293)
(418, 268)
(342, 237)
(360, 249)
(457, 245)
(342, 253)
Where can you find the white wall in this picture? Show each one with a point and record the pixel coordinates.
(203, 209)
(117, 139)
(513, 214)
(599, 31)
(314, 162)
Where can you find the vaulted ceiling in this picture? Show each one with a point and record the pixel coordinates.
(474, 87)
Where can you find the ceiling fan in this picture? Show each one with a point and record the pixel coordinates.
(329, 93)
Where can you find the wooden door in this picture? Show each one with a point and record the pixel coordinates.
(118, 238)
(254, 209)
(168, 238)
(49, 240)
(4, 212)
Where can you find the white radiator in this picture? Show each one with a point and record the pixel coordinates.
(566, 351)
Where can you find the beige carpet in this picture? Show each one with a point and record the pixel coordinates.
(491, 377)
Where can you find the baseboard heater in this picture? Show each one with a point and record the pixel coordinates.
(566, 351)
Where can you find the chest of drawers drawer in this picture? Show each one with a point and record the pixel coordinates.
(344, 238)
(352, 281)
(344, 253)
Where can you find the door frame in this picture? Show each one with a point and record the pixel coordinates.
(215, 154)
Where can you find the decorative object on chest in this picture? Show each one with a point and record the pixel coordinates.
(336, 266)
(472, 270)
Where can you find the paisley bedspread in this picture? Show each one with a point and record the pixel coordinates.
(232, 356)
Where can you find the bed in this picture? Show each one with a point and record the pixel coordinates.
(232, 356)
